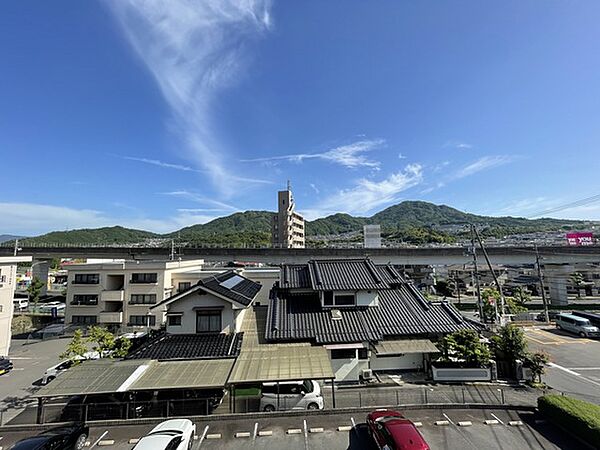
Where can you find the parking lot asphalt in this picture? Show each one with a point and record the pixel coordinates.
(30, 359)
(345, 431)
(574, 361)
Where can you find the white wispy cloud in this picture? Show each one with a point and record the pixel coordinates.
(458, 145)
(199, 198)
(314, 188)
(350, 155)
(24, 219)
(194, 49)
(367, 195)
(167, 165)
(484, 163)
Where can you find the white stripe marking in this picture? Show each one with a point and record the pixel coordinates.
(133, 378)
(564, 369)
(99, 439)
(255, 431)
(203, 436)
(305, 435)
(448, 418)
(497, 418)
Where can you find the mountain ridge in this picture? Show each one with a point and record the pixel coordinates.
(253, 227)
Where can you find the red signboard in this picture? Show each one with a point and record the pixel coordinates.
(580, 238)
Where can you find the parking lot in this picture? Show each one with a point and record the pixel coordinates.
(455, 429)
(574, 361)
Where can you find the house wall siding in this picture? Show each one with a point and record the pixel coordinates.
(188, 321)
(410, 361)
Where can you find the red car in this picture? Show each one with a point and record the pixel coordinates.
(390, 430)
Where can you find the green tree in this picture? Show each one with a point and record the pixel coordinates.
(443, 288)
(537, 364)
(101, 339)
(21, 324)
(466, 346)
(55, 264)
(578, 281)
(510, 344)
(121, 347)
(521, 296)
(76, 347)
(35, 291)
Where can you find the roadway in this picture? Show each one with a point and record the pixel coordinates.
(574, 362)
(407, 256)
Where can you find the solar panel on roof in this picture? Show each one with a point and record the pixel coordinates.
(232, 282)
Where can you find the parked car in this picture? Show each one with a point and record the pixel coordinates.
(6, 365)
(303, 394)
(54, 371)
(118, 405)
(174, 434)
(577, 325)
(391, 430)
(551, 316)
(71, 437)
(20, 304)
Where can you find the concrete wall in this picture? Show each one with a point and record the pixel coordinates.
(457, 374)
(410, 361)
(348, 369)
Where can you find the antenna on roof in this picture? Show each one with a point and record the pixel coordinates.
(289, 185)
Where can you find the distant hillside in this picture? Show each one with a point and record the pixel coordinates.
(8, 237)
(106, 235)
(410, 221)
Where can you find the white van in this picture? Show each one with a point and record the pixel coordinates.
(303, 394)
(577, 325)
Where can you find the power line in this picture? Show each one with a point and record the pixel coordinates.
(581, 202)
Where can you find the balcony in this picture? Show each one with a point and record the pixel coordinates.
(112, 296)
(110, 317)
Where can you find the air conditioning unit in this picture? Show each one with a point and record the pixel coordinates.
(366, 374)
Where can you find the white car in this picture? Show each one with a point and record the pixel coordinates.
(174, 434)
(302, 394)
(52, 372)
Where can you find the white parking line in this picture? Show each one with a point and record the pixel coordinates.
(99, 439)
(353, 424)
(203, 436)
(497, 418)
(255, 431)
(447, 418)
(305, 435)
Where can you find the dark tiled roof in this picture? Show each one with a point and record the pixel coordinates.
(243, 292)
(295, 277)
(190, 346)
(332, 275)
(402, 312)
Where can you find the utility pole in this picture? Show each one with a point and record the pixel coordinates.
(540, 276)
(487, 260)
(172, 257)
(479, 303)
(16, 247)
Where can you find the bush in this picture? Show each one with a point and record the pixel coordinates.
(580, 418)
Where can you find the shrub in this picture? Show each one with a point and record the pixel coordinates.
(580, 418)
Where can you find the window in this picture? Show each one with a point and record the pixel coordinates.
(343, 353)
(85, 300)
(363, 353)
(174, 321)
(184, 286)
(144, 321)
(86, 278)
(142, 299)
(144, 277)
(208, 322)
(83, 320)
(331, 299)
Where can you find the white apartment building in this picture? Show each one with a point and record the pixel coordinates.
(8, 275)
(119, 295)
(288, 225)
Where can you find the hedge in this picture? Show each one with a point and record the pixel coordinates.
(580, 418)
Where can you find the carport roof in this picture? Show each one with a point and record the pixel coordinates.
(281, 362)
(91, 377)
(403, 346)
(211, 373)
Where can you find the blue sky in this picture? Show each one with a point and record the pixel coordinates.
(158, 115)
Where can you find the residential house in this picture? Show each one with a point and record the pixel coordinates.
(367, 316)
(8, 274)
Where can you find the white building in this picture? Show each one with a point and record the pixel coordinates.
(215, 304)
(119, 294)
(8, 275)
(372, 236)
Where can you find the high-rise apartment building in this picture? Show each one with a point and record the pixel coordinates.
(372, 236)
(288, 225)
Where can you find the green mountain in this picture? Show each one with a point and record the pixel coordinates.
(410, 221)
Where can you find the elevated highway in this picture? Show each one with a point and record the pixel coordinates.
(408, 256)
